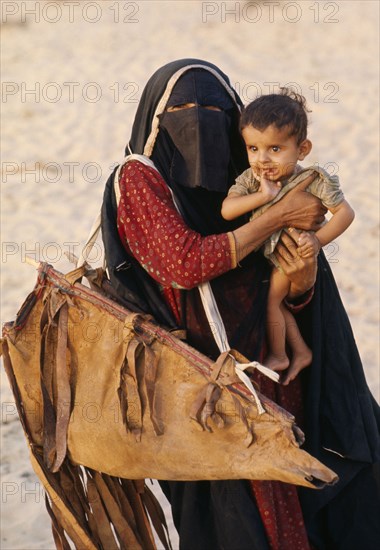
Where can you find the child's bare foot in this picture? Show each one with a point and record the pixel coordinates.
(276, 362)
(298, 362)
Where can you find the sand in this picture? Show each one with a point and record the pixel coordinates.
(72, 76)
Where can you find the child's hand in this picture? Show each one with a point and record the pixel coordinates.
(269, 189)
(308, 245)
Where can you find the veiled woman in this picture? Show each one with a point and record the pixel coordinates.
(164, 236)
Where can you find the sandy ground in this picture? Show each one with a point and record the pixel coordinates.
(72, 76)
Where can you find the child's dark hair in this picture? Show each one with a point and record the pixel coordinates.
(285, 109)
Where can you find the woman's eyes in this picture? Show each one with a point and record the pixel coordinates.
(180, 107)
(191, 105)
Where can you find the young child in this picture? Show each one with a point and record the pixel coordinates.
(274, 128)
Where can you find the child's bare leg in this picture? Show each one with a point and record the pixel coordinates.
(301, 353)
(276, 359)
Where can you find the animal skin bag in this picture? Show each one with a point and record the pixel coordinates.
(107, 397)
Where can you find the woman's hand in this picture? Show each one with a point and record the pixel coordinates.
(301, 209)
(301, 271)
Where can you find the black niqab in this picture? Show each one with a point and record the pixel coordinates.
(198, 151)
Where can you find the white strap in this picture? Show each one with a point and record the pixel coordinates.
(213, 316)
(219, 332)
(240, 368)
(91, 239)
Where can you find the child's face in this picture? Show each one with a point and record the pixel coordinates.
(272, 153)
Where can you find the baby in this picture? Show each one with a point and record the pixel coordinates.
(274, 128)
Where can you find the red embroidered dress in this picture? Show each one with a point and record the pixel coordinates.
(152, 230)
(155, 234)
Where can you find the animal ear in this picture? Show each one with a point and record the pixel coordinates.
(304, 149)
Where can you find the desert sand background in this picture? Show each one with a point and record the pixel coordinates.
(72, 74)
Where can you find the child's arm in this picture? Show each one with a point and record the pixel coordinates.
(235, 205)
(343, 216)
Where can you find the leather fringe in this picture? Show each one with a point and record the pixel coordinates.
(89, 509)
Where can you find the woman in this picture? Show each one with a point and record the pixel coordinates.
(165, 237)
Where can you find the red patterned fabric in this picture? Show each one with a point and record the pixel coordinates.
(281, 513)
(152, 230)
(177, 257)
(278, 502)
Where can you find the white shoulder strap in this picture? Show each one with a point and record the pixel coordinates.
(219, 332)
(91, 240)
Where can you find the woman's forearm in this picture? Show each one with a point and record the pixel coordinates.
(253, 234)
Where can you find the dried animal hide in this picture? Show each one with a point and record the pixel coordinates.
(106, 396)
